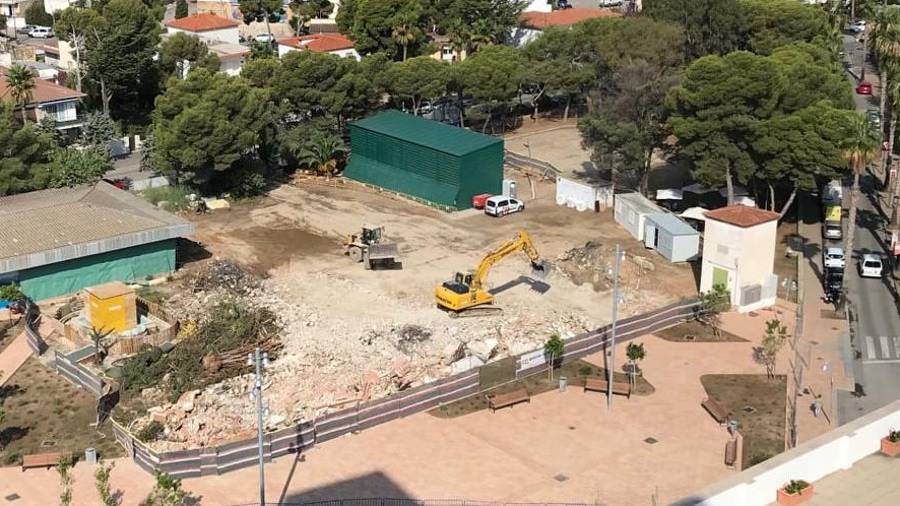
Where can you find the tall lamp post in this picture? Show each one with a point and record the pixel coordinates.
(612, 335)
(260, 360)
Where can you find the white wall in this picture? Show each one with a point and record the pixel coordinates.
(230, 35)
(747, 254)
(343, 53)
(51, 6)
(539, 6)
(231, 67)
(811, 461)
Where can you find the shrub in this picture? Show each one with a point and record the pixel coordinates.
(795, 486)
(176, 196)
(585, 370)
(13, 459)
(151, 432)
(759, 457)
(151, 294)
(11, 292)
(894, 436)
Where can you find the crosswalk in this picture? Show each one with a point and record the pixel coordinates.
(881, 349)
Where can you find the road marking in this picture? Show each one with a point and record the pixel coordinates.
(870, 348)
(885, 351)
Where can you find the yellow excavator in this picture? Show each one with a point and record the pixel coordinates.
(467, 295)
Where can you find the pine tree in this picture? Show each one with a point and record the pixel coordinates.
(181, 9)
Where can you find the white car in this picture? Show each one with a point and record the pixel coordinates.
(501, 205)
(40, 32)
(265, 38)
(858, 27)
(870, 266)
(833, 258)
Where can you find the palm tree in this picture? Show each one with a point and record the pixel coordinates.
(20, 80)
(404, 34)
(321, 152)
(884, 41)
(860, 149)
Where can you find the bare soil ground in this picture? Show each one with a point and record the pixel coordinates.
(45, 413)
(693, 331)
(763, 425)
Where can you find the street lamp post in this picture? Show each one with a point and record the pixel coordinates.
(260, 360)
(612, 334)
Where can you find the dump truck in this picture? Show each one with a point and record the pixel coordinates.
(466, 294)
(371, 248)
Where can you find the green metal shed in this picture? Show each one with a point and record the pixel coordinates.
(438, 163)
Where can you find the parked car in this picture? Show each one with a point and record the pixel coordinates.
(41, 32)
(266, 38)
(874, 117)
(501, 205)
(833, 258)
(870, 266)
(564, 4)
(864, 88)
(25, 29)
(857, 27)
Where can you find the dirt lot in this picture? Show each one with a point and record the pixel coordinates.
(45, 413)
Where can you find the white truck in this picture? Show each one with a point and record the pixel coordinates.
(832, 194)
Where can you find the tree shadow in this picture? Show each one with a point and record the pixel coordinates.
(10, 434)
(7, 391)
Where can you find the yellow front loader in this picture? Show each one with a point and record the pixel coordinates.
(467, 295)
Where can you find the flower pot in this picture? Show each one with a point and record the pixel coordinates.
(888, 448)
(786, 499)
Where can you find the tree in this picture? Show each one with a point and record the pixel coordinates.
(775, 336)
(24, 160)
(635, 353)
(860, 147)
(71, 167)
(710, 27)
(101, 477)
(712, 304)
(320, 153)
(64, 468)
(561, 62)
(813, 76)
(121, 47)
(36, 15)
(553, 348)
(101, 347)
(181, 9)
(166, 491)
(47, 126)
(475, 24)
(261, 10)
(207, 122)
(775, 23)
(20, 81)
(404, 34)
(493, 76)
(74, 25)
(418, 79)
(716, 110)
(376, 22)
(180, 53)
(98, 130)
(304, 10)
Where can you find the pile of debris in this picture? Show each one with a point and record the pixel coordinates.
(593, 263)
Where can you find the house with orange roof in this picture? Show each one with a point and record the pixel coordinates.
(331, 43)
(209, 27)
(47, 100)
(532, 23)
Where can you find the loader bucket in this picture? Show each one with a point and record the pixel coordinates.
(541, 269)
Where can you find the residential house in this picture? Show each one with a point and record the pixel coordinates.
(209, 27)
(48, 99)
(231, 56)
(445, 49)
(531, 24)
(331, 43)
(739, 254)
(14, 12)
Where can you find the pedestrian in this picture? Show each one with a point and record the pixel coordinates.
(817, 406)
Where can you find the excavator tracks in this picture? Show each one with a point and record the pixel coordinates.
(478, 311)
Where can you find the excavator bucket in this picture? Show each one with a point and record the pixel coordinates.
(541, 269)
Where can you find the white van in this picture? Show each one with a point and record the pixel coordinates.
(870, 266)
(501, 205)
(40, 32)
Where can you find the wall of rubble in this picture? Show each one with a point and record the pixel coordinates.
(32, 336)
(217, 460)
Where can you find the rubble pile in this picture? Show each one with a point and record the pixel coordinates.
(330, 362)
(593, 263)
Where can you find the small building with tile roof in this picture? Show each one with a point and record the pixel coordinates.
(206, 26)
(47, 99)
(59, 241)
(532, 23)
(331, 43)
(739, 254)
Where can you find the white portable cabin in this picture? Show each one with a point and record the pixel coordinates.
(671, 237)
(583, 197)
(631, 211)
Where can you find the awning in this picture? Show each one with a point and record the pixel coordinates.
(697, 188)
(738, 190)
(694, 213)
(669, 194)
(745, 201)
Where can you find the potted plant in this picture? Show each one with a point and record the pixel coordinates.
(795, 492)
(890, 445)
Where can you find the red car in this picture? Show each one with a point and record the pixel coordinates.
(864, 88)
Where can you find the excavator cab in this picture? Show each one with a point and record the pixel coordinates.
(460, 284)
(371, 235)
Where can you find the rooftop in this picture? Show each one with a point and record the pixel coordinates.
(319, 42)
(438, 136)
(78, 222)
(227, 50)
(640, 203)
(109, 290)
(44, 91)
(742, 216)
(672, 224)
(563, 17)
(202, 22)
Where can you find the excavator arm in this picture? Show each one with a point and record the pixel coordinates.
(521, 242)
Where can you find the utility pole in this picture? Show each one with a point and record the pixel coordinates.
(260, 360)
(611, 365)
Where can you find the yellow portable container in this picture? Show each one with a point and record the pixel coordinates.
(111, 306)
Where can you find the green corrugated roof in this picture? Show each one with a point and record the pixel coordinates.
(439, 136)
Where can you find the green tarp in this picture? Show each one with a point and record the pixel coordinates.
(127, 264)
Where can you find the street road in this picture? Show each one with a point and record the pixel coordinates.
(876, 367)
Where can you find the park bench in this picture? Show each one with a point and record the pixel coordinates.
(47, 460)
(731, 452)
(601, 385)
(716, 410)
(497, 401)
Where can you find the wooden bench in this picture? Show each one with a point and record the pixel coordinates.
(716, 410)
(47, 460)
(731, 452)
(601, 385)
(497, 401)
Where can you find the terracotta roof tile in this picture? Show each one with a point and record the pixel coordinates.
(44, 91)
(319, 43)
(563, 17)
(202, 22)
(742, 216)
